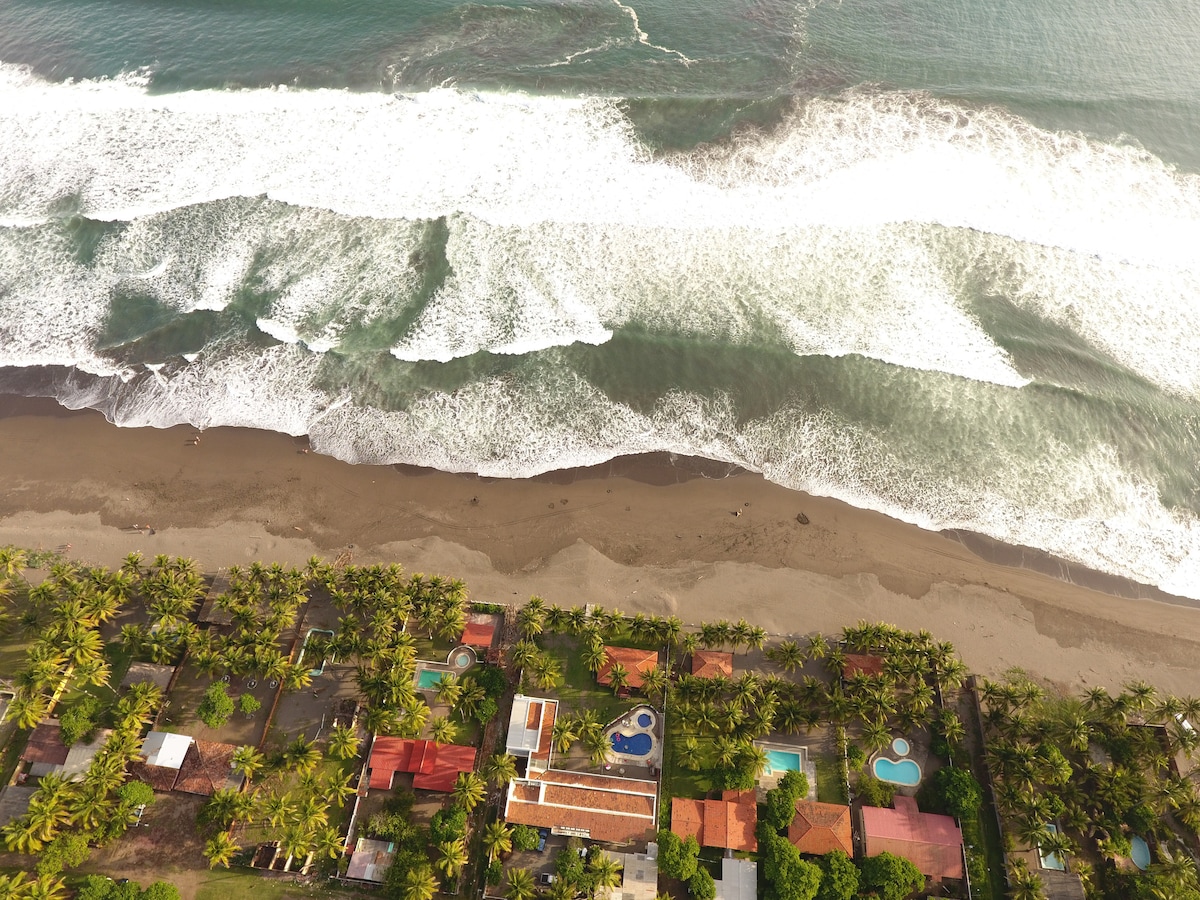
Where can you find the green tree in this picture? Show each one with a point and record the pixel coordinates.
(497, 839)
(781, 800)
(248, 704)
(891, 877)
(220, 850)
(160, 890)
(520, 885)
(135, 793)
(500, 769)
(343, 743)
(524, 837)
(961, 794)
(216, 707)
(469, 790)
(839, 878)
(677, 858)
(419, 883)
(66, 851)
(452, 856)
(701, 885)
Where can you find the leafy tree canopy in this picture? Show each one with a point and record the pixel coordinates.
(891, 877)
(216, 707)
(961, 794)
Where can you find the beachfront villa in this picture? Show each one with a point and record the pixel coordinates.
(933, 843)
(727, 823)
(712, 664)
(635, 663)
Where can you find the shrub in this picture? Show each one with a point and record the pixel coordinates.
(79, 722)
(95, 887)
(702, 886)
(524, 837)
(67, 851)
(874, 792)
(960, 792)
(249, 704)
(216, 707)
(495, 872)
(135, 793)
(160, 890)
(486, 710)
(855, 758)
(448, 824)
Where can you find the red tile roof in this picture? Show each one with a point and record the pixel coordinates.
(478, 634)
(932, 843)
(158, 777)
(434, 767)
(858, 662)
(206, 768)
(821, 827)
(635, 662)
(45, 745)
(711, 663)
(611, 809)
(728, 823)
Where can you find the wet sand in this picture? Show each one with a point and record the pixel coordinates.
(690, 537)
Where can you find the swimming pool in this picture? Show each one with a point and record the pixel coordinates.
(900, 747)
(462, 660)
(905, 772)
(779, 761)
(644, 720)
(1052, 860)
(319, 670)
(1139, 852)
(428, 679)
(632, 744)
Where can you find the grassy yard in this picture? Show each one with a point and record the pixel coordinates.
(240, 884)
(830, 787)
(579, 689)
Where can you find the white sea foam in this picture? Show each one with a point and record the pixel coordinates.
(1087, 507)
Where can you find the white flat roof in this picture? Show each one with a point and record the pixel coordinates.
(166, 750)
(739, 879)
(370, 860)
(525, 724)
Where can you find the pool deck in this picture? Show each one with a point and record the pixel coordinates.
(769, 782)
(628, 725)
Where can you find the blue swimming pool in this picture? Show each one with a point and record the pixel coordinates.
(1139, 852)
(428, 679)
(905, 772)
(900, 747)
(780, 761)
(644, 720)
(1052, 860)
(632, 744)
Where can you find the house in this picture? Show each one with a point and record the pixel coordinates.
(370, 860)
(739, 879)
(178, 762)
(819, 828)
(639, 875)
(728, 823)
(635, 663)
(531, 731)
(712, 664)
(932, 843)
(48, 755)
(434, 767)
(596, 807)
(207, 768)
(478, 634)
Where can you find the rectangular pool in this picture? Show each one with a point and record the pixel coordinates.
(427, 679)
(1052, 860)
(780, 761)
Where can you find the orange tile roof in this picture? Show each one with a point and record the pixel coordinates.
(616, 810)
(635, 662)
(933, 843)
(45, 745)
(434, 767)
(478, 634)
(821, 827)
(712, 663)
(728, 823)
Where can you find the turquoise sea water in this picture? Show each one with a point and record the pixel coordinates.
(936, 259)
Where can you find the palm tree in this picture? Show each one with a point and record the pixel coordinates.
(452, 856)
(787, 655)
(618, 678)
(520, 885)
(594, 656)
(442, 730)
(45, 887)
(497, 839)
(500, 769)
(301, 755)
(1023, 884)
(654, 681)
(343, 743)
(818, 647)
(605, 872)
(689, 755)
(563, 735)
(599, 747)
(248, 761)
(448, 689)
(220, 850)
(419, 883)
(546, 672)
(469, 790)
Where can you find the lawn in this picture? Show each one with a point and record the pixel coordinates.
(579, 689)
(830, 787)
(241, 884)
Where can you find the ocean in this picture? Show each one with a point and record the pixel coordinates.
(938, 259)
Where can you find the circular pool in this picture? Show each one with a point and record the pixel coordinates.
(462, 660)
(1139, 852)
(900, 747)
(644, 720)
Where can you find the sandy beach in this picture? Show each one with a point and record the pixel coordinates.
(639, 534)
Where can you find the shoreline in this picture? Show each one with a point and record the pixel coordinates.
(695, 538)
